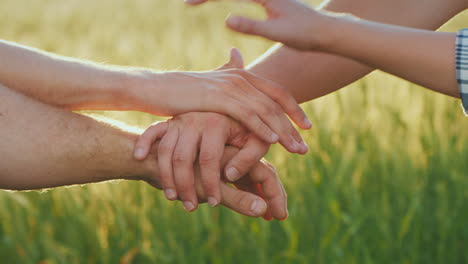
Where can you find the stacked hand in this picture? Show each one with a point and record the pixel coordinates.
(258, 194)
(257, 103)
(202, 136)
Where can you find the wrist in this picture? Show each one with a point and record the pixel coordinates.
(331, 29)
(146, 170)
(129, 87)
(143, 90)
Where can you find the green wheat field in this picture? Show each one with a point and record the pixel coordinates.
(386, 180)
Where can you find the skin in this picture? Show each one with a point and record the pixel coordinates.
(71, 84)
(78, 85)
(404, 52)
(309, 75)
(76, 149)
(188, 137)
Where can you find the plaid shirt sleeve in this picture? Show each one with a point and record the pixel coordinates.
(462, 67)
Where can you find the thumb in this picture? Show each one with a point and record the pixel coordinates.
(250, 154)
(243, 202)
(146, 140)
(235, 61)
(250, 26)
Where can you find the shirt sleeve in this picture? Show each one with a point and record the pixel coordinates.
(462, 66)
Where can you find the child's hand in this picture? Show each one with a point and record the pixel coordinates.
(199, 138)
(289, 21)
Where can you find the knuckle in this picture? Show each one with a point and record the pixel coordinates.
(243, 200)
(266, 109)
(262, 128)
(276, 109)
(247, 26)
(207, 158)
(180, 158)
(249, 114)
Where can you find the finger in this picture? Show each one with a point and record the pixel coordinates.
(235, 61)
(252, 121)
(268, 215)
(256, 189)
(269, 112)
(183, 162)
(211, 153)
(252, 152)
(165, 152)
(243, 202)
(144, 142)
(281, 96)
(272, 114)
(271, 187)
(289, 138)
(251, 27)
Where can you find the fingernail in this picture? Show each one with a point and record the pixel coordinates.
(189, 206)
(139, 153)
(297, 147)
(170, 194)
(212, 202)
(232, 174)
(274, 138)
(257, 207)
(307, 122)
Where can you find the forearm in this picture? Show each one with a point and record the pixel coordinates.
(65, 82)
(309, 75)
(423, 57)
(42, 146)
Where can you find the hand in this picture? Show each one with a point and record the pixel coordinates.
(202, 135)
(289, 21)
(259, 193)
(186, 135)
(255, 102)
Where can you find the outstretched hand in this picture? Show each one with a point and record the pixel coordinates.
(291, 22)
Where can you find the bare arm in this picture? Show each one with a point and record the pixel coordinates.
(42, 147)
(424, 57)
(309, 75)
(79, 85)
(421, 56)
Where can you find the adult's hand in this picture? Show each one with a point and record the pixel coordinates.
(258, 194)
(203, 135)
(257, 103)
(199, 137)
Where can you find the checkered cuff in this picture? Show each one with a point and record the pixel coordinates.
(462, 66)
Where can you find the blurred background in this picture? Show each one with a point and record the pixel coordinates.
(385, 180)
